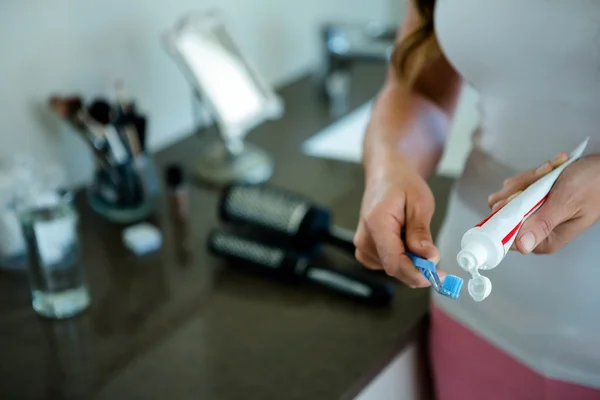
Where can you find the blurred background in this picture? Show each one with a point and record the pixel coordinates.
(85, 46)
(179, 185)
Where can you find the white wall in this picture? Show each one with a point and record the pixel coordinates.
(395, 10)
(84, 46)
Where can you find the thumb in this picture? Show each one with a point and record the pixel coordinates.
(418, 232)
(540, 225)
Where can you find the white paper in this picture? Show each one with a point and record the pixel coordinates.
(343, 139)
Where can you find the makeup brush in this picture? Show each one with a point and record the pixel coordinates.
(141, 127)
(127, 118)
(102, 113)
(71, 109)
(65, 107)
(128, 125)
(125, 105)
(127, 185)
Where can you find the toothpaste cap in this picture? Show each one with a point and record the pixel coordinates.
(479, 287)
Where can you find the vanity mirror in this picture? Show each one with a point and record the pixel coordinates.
(234, 94)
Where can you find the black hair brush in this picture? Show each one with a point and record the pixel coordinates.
(287, 219)
(274, 262)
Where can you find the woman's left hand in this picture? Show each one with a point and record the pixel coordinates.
(572, 206)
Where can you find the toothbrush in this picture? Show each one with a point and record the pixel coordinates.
(452, 284)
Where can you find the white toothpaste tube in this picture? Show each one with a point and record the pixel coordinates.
(484, 246)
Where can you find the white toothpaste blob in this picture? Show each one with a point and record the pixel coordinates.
(484, 246)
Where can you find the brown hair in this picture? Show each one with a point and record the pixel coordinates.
(419, 47)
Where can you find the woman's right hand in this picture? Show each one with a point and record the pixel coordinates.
(397, 202)
(404, 141)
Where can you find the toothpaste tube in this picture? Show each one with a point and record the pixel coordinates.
(484, 246)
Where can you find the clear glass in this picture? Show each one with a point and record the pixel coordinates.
(55, 271)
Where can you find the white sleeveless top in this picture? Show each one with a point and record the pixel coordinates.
(536, 66)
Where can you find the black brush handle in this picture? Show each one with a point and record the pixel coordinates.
(251, 255)
(350, 284)
(141, 124)
(341, 238)
(277, 262)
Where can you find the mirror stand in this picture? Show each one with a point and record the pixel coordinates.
(227, 158)
(200, 112)
(225, 162)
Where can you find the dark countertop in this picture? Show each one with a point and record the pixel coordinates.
(159, 330)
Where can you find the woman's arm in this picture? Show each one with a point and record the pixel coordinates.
(410, 123)
(403, 144)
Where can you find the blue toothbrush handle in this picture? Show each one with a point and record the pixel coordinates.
(450, 287)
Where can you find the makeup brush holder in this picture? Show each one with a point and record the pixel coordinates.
(126, 192)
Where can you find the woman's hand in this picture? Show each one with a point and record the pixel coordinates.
(573, 204)
(404, 142)
(396, 201)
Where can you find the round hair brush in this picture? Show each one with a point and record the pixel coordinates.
(287, 218)
(277, 263)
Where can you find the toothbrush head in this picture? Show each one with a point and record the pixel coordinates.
(452, 285)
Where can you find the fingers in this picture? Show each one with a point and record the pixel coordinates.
(521, 181)
(391, 252)
(418, 233)
(561, 235)
(365, 252)
(379, 246)
(379, 243)
(541, 225)
(368, 261)
(515, 186)
(502, 203)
